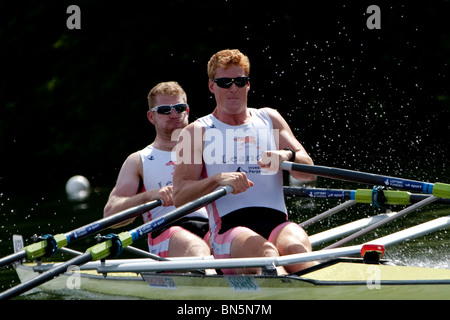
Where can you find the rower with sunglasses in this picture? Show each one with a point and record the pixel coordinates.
(147, 175)
(253, 221)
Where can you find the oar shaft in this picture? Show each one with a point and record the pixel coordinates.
(143, 253)
(40, 248)
(179, 212)
(321, 193)
(419, 197)
(394, 197)
(327, 213)
(12, 258)
(112, 220)
(362, 177)
(44, 277)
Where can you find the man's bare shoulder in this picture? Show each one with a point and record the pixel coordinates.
(192, 129)
(271, 112)
(135, 157)
(277, 119)
(195, 125)
(133, 164)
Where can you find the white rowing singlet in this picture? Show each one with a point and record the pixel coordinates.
(158, 170)
(238, 148)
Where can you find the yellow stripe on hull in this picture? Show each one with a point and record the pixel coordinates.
(345, 272)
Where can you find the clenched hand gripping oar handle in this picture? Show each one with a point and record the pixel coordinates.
(116, 243)
(49, 244)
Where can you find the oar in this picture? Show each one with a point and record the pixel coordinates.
(50, 244)
(327, 213)
(392, 197)
(115, 244)
(441, 190)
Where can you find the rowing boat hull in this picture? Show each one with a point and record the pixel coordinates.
(340, 280)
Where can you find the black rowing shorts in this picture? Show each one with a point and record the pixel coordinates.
(259, 219)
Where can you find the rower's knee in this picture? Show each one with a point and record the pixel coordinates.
(185, 244)
(252, 245)
(269, 250)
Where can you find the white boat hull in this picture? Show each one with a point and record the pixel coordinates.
(341, 280)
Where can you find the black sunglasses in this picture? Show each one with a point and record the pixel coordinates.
(227, 82)
(167, 108)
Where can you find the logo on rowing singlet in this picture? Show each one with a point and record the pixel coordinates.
(246, 141)
(171, 163)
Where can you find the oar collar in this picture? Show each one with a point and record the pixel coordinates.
(52, 245)
(116, 244)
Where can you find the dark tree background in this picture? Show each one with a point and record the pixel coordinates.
(74, 101)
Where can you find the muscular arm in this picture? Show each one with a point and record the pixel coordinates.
(126, 191)
(187, 178)
(287, 140)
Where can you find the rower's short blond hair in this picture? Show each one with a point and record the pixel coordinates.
(170, 88)
(225, 59)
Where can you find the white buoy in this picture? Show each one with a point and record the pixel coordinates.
(78, 188)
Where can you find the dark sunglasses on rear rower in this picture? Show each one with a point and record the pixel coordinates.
(167, 108)
(227, 82)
